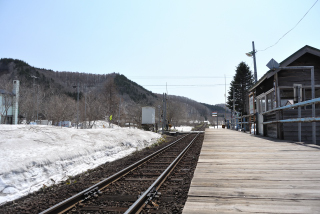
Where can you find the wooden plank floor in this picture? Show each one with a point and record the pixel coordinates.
(241, 173)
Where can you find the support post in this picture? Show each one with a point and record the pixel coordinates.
(217, 122)
(299, 114)
(250, 123)
(281, 125)
(314, 140)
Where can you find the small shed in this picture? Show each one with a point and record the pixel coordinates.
(279, 87)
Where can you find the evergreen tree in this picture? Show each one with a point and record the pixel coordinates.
(242, 81)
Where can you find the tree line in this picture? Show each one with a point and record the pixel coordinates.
(52, 95)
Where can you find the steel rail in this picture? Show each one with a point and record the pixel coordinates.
(138, 205)
(81, 196)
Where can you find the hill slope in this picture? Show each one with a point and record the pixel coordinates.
(48, 94)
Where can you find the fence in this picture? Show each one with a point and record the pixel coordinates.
(298, 120)
(242, 121)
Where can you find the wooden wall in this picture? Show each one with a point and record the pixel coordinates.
(270, 130)
(290, 77)
(290, 130)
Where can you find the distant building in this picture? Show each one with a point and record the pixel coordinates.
(279, 88)
(9, 104)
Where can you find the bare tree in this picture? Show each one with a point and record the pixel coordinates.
(26, 102)
(175, 112)
(111, 99)
(7, 98)
(60, 108)
(93, 107)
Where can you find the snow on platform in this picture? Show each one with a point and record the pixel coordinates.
(33, 156)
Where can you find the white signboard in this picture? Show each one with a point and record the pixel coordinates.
(148, 115)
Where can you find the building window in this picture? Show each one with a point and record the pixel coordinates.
(307, 95)
(263, 105)
(269, 101)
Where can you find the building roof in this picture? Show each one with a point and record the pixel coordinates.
(287, 61)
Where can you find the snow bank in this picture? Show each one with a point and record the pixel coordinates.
(33, 156)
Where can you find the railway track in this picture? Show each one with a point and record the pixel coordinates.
(157, 183)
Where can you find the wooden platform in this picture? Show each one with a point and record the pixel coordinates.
(241, 173)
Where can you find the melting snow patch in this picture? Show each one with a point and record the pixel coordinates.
(33, 156)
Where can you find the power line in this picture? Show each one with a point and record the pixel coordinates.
(177, 77)
(183, 85)
(290, 29)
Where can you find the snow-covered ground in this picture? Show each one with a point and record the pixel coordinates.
(183, 128)
(214, 127)
(35, 155)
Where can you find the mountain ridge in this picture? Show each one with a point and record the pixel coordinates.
(126, 93)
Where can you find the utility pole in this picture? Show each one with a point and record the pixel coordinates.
(159, 107)
(119, 113)
(78, 106)
(77, 86)
(37, 101)
(34, 95)
(254, 62)
(225, 100)
(85, 107)
(164, 111)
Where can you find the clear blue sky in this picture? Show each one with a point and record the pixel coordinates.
(157, 42)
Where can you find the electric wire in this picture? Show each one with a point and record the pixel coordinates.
(183, 85)
(178, 77)
(290, 29)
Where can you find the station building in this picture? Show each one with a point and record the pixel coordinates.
(281, 87)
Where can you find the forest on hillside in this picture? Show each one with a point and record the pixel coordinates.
(72, 96)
